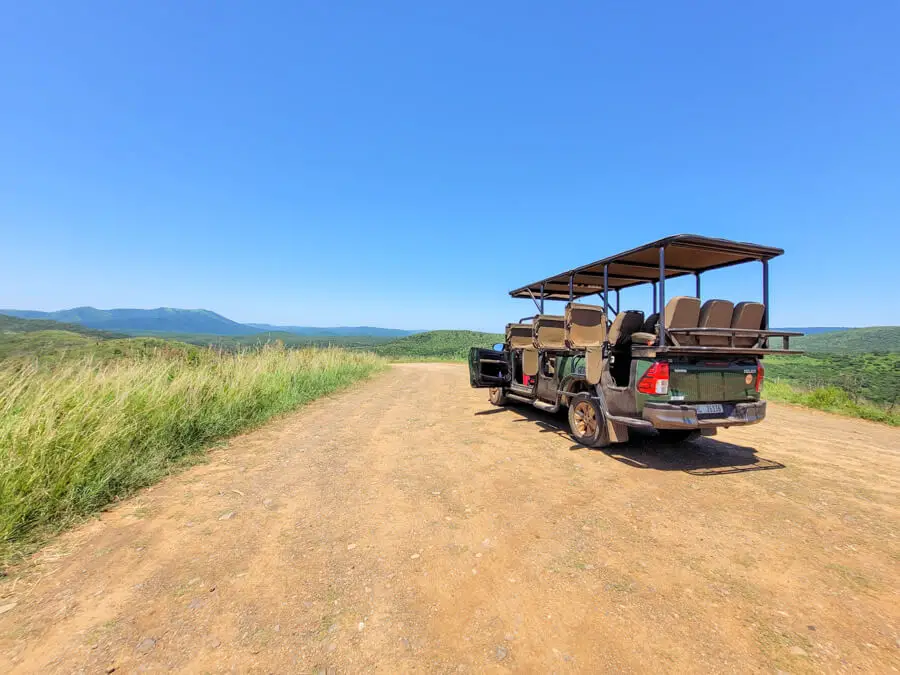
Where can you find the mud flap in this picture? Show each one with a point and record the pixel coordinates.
(618, 433)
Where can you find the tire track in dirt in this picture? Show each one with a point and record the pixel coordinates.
(408, 525)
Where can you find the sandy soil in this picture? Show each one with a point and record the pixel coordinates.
(407, 525)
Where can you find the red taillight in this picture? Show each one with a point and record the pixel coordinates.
(760, 373)
(656, 380)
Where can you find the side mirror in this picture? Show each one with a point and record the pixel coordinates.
(499, 347)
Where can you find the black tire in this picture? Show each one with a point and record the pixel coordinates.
(676, 436)
(586, 422)
(497, 396)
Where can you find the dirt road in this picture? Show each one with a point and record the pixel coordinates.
(408, 525)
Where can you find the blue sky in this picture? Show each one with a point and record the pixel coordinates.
(406, 164)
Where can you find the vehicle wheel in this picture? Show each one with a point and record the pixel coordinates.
(497, 396)
(586, 422)
(678, 435)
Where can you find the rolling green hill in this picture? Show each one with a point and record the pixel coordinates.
(874, 377)
(51, 341)
(12, 324)
(438, 345)
(852, 341)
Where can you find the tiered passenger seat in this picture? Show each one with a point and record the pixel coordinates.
(747, 316)
(549, 331)
(714, 314)
(681, 312)
(519, 335)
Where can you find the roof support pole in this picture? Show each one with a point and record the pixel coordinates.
(765, 322)
(654, 298)
(571, 287)
(618, 302)
(697, 276)
(606, 290)
(662, 295)
(542, 298)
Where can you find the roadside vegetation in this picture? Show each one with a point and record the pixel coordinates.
(77, 433)
(831, 399)
(437, 345)
(238, 342)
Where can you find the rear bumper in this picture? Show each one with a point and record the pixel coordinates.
(668, 416)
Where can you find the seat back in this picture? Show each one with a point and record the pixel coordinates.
(747, 316)
(715, 314)
(650, 323)
(625, 323)
(585, 326)
(549, 331)
(519, 335)
(683, 311)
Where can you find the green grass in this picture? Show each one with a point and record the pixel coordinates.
(875, 339)
(437, 345)
(830, 399)
(78, 433)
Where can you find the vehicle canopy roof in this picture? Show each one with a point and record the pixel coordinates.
(684, 254)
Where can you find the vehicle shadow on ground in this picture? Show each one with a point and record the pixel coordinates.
(646, 450)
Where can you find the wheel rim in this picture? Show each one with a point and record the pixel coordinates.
(585, 419)
(494, 392)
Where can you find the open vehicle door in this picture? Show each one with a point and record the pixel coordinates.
(489, 368)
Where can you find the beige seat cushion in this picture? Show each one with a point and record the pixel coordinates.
(549, 331)
(715, 314)
(683, 311)
(747, 316)
(625, 323)
(530, 361)
(585, 325)
(642, 338)
(519, 335)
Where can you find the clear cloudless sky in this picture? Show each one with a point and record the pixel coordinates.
(406, 164)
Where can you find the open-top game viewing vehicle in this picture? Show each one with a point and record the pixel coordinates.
(684, 370)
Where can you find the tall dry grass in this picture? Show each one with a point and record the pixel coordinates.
(78, 435)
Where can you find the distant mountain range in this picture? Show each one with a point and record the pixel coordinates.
(336, 331)
(172, 320)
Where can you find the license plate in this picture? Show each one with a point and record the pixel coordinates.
(710, 409)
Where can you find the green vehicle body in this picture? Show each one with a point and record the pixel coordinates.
(706, 381)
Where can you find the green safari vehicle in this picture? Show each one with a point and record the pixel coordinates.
(685, 369)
